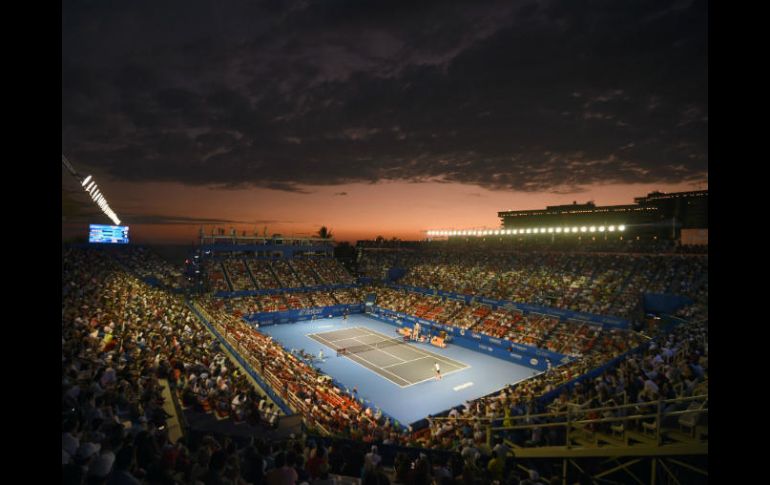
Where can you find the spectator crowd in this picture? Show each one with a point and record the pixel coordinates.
(127, 346)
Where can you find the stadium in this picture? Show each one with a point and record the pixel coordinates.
(551, 356)
(481, 344)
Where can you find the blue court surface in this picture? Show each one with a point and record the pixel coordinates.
(398, 379)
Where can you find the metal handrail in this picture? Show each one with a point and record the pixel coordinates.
(566, 413)
(600, 420)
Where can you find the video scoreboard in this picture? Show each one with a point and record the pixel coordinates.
(108, 234)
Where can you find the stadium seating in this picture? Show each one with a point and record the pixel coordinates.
(606, 284)
(238, 273)
(147, 264)
(121, 337)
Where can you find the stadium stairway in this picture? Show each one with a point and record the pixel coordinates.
(317, 280)
(227, 275)
(275, 275)
(312, 266)
(170, 406)
(251, 276)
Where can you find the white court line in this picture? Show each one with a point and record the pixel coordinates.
(378, 367)
(370, 363)
(318, 336)
(345, 338)
(407, 362)
(442, 375)
(446, 360)
(375, 348)
(462, 386)
(425, 354)
(454, 364)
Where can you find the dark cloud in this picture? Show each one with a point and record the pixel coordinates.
(526, 95)
(164, 219)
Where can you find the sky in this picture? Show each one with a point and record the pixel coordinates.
(375, 117)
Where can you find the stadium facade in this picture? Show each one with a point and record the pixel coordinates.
(671, 216)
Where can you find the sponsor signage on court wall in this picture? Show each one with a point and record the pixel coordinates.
(311, 311)
(275, 291)
(268, 318)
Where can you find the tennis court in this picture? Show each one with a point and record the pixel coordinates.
(403, 364)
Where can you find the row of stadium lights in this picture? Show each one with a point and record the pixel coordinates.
(89, 185)
(541, 230)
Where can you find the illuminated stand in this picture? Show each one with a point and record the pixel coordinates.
(524, 231)
(89, 185)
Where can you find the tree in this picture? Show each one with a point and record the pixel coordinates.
(325, 233)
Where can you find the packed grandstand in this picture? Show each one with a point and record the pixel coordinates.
(139, 346)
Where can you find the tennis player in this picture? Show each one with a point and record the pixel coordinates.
(416, 333)
(438, 372)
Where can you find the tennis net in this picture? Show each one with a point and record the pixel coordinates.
(357, 349)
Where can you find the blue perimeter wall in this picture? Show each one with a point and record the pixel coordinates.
(290, 316)
(275, 291)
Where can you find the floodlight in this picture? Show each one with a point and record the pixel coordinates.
(529, 231)
(558, 229)
(592, 228)
(611, 228)
(574, 229)
(85, 180)
(621, 227)
(601, 228)
(583, 229)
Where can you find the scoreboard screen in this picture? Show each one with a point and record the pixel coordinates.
(108, 234)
